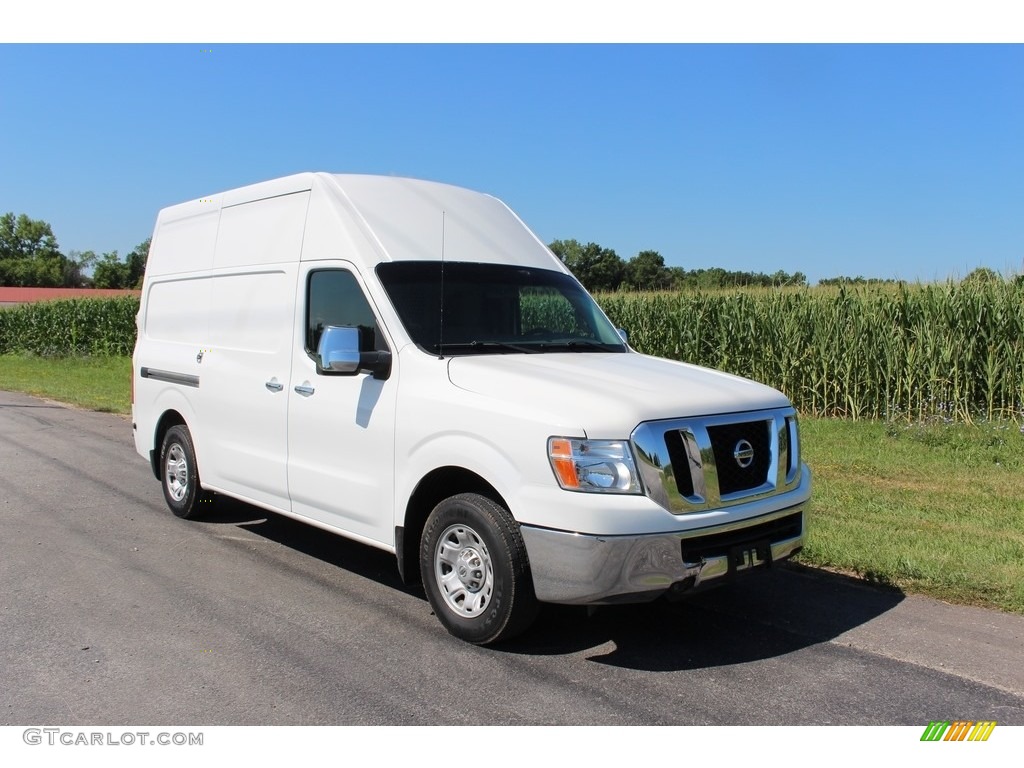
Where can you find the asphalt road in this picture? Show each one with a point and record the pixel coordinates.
(114, 612)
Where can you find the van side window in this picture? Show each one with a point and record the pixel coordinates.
(335, 298)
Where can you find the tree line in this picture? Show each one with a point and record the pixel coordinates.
(980, 275)
(601, 269)
(30, 257)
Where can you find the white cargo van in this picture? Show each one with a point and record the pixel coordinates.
(404, 363)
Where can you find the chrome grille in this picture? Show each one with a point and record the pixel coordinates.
(701, 463)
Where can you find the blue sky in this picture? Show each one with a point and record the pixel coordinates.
(878, 160)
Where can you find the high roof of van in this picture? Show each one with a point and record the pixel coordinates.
(361, 218)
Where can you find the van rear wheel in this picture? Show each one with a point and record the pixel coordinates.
(179, 474)
(475, 570)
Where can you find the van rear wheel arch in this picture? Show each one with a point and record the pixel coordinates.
(167, 420)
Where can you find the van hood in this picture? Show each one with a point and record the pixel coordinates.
(609, 394)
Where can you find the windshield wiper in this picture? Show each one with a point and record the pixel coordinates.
(585, 345)
(484, 345)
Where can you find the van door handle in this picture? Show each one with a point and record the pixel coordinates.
(274, 385)
(304, 389)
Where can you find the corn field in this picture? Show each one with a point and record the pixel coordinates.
(954, 351)
(71, 327)
(917, 352)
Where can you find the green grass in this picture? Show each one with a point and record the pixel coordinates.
(96, 383)
(935, 509)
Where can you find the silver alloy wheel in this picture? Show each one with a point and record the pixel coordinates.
(463, 569)
(177, 472)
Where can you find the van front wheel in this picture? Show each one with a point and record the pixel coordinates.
(179, 474)
(475, 570)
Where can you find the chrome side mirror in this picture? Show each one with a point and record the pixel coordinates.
(338, 350)
(338, 353)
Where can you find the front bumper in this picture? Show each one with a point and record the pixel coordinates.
(573, 568)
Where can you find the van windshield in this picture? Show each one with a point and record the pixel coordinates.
(495, 309)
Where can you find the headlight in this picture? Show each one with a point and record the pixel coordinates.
(599, 466)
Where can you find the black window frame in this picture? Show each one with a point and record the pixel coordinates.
(370, 339)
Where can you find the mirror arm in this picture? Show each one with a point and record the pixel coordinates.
(377, 363)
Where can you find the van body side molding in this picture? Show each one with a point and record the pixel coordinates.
(171, 377)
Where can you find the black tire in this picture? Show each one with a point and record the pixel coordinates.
(475, 570)
(179, 474)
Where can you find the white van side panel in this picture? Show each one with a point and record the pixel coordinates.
(247, 367)
(250, 310)
(245, 375)
(265, 231)
(173, 319)
(184, 239)
(175, 311)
